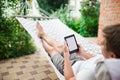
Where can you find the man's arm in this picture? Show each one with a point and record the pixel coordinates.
(73, 78)
(87, 55)
(83, 53)
(68, 72)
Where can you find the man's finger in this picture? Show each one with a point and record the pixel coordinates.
(65, 47)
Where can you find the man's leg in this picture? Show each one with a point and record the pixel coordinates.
(56, 58)
(49, 49)
(53, 48)
(52, 42)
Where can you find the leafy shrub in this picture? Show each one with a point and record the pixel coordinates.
(89, 18)
(64, 16)
(74, 24)
(14, 40)
(51, 5)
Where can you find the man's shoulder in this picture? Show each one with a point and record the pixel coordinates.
(101, 72)
(101, 67)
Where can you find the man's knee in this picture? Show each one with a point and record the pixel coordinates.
(59, 48)
(58, 61)
(50, 50)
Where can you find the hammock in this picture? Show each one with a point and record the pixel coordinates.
(56, 29)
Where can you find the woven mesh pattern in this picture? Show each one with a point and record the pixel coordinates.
(56, 29)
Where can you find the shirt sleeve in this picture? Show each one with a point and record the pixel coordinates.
(101, 72)
(86, 74)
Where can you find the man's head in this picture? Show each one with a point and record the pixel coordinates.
(111, 41)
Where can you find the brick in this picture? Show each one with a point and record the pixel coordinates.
(53, 76)
(19, 73)
(5, 73)
(116, 0)
(34, 72)
(109, 13)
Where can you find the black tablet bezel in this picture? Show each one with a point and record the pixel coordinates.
(76, 50)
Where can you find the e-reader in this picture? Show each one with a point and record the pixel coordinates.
(71, 43)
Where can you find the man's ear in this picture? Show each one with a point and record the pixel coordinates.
(112, 55)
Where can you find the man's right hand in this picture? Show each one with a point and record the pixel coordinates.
(83, 53)
(81, 50)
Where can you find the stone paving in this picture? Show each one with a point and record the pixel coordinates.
(30, 67)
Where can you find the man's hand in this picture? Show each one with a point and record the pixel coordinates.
(66, 51)
(81, 50)
(83, 53)
(68, 73)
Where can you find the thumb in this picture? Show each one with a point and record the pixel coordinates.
(65, 47)
(79, 45)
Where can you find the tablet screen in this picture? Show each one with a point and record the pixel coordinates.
(71, 43)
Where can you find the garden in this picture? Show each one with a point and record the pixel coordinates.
(15, 41)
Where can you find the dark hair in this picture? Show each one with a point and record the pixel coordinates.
(112, 36)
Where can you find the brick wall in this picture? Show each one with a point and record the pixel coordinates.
(109, 14)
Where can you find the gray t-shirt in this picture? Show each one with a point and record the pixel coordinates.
(102, 72)
(108, 70)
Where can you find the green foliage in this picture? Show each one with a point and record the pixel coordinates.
(90, 17)
(44, 5)
(87, 25)
(51, 5)
(64, 16)
(74, 24)
(14, 40)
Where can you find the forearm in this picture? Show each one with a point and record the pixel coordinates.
(68, 73)
(83, 53)
(87, 55)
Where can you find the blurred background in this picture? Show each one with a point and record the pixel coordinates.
(80, 15)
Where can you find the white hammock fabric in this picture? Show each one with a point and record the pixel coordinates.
(56, 29)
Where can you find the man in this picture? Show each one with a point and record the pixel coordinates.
(67, 63)
(109, 68)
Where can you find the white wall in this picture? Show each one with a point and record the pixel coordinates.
(75, 7)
